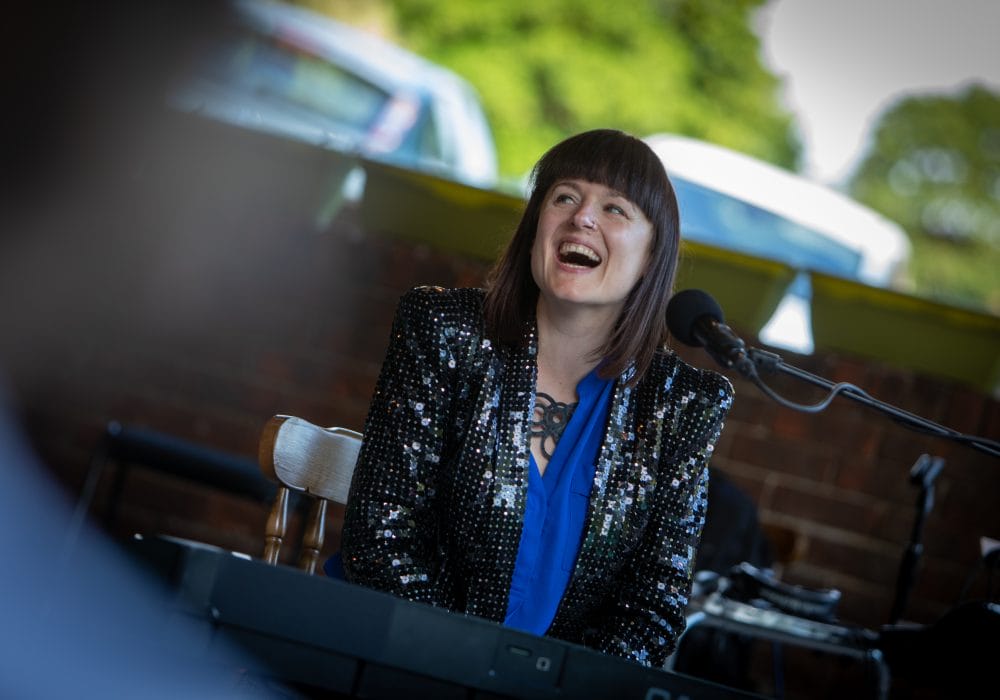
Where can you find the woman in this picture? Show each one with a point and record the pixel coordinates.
(534, 454)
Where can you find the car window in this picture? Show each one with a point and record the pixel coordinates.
(275, 70)
(718, 219)
(428, 139)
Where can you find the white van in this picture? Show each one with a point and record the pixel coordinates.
(734, 201)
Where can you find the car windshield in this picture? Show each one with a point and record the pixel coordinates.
(273, 70)
(711, 217)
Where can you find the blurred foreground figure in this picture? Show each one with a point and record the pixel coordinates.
(80, 619)
(84, 84)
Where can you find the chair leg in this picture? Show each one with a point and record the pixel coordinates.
(313, 536)
(277, 525)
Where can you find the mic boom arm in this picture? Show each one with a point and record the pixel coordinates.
(772, 362)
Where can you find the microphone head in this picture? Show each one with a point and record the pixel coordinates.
(684, 310)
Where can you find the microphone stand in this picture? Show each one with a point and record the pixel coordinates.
(770, 362)
(747, 360)
(922, 474)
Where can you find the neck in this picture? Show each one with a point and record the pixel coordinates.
(568, 341)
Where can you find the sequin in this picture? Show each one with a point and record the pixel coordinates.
(438, 496)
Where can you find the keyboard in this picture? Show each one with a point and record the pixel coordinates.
(328, 638)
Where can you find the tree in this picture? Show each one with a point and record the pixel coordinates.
(934, 167)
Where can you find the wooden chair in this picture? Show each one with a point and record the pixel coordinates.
(310, 459)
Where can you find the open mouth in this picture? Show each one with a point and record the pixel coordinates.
(578, 255)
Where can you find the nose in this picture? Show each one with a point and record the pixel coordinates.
(584, 216)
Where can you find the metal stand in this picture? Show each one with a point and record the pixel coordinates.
(923, 473)
(716, 609)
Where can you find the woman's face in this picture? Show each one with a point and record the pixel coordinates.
(591, 247)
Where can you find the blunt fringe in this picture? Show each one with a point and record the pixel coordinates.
(624, 163)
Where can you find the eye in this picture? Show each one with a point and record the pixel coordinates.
(615, 209)
(562, 197)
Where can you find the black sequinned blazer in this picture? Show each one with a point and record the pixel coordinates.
(438, 496)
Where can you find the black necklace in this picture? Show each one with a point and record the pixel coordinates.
(550, 421)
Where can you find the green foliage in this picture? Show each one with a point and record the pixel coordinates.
(934, 167)
(965, 275)
(545, 70)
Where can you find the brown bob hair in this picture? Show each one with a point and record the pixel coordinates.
(624, 163)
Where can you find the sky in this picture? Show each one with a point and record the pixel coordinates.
(843, 62)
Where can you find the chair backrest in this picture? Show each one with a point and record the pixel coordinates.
(312, 460)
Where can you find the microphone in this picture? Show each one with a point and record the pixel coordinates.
(695, 319)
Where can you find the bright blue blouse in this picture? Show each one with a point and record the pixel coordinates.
(556, 511)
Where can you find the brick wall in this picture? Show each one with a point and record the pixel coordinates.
(283, 319)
